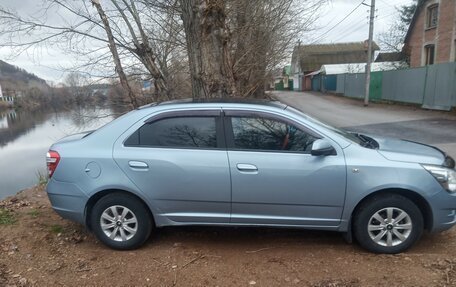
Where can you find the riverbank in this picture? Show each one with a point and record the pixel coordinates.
(38, 248)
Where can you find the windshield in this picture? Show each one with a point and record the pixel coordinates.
(353, 137)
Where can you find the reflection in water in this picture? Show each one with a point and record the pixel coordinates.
(7, 117)
(25, 138)
(13, 125)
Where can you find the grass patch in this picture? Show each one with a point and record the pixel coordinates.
(6, 217)
(34, 213)
(56, 228)
(42, 177)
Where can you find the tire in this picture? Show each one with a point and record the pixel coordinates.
(121, 221)
(395, 224)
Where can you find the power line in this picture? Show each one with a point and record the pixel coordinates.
(329, 23)
(322, 36)
(362, 23)
(356, 27)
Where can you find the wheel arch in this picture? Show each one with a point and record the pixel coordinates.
(100, 194)
(415, 197)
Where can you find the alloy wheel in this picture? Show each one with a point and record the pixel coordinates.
(119, 223)
(390, 226)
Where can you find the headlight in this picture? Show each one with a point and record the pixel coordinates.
(449, 162)
(445, 176)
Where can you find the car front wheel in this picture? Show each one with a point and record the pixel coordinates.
(121, 221)
(388, 224)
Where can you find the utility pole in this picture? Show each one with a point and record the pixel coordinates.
(369, 52)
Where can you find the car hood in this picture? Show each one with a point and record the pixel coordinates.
(408, 151)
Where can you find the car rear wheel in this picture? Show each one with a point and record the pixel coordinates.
(388, 224)
(121, 221)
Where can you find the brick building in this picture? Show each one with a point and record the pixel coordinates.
(431, 37)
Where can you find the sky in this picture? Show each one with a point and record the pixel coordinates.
(339, 21)
(335, 28)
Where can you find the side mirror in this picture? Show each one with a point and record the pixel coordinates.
(322, 147)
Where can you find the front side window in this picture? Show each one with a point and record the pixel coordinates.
(433, 16)
(256, 133)
(183, 132)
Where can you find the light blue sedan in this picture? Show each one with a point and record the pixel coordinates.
(248, 164)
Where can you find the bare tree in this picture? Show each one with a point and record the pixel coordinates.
(163, 19)
(230, 45)
(265, 32)
(143, 49)
(115, 54)
(78, 87)
(208, 48)
(88, 33)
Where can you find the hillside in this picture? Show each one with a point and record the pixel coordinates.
(17, 79)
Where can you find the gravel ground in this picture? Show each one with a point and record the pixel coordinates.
(38, 248)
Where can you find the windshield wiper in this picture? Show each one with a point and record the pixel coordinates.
(366, 141)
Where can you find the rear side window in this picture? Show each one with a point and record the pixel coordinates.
(256, 133)
(183, 132)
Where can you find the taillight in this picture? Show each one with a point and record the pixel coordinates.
(52, 160)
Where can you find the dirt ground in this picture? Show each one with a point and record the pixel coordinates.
(38, 248)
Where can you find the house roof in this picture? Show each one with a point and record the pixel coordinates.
(312, 57)
(354, 68)
(389, 57)
(414, 19)
(336, 47)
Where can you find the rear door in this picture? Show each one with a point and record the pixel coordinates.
(179, 161)
(275, 179)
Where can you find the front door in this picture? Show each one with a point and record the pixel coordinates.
(275, 180)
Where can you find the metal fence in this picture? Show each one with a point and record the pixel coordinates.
(354, 85)
(404, 85)
(433, 87)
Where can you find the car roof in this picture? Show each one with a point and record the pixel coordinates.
(244, 101)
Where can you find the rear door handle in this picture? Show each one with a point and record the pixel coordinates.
(245, 167)
(137, 164)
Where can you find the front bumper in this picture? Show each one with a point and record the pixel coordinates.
(67, 199)
(443, 210)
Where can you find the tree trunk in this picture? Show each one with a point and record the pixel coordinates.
(207, 44)
(115, 55)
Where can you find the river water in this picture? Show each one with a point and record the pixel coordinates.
(25, 137)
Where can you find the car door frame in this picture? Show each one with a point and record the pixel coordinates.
(216, 112)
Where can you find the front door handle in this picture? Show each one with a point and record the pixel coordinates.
(245, 167)
(137, 164)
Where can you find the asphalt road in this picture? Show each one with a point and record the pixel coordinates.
(412, 123)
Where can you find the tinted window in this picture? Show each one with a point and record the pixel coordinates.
(267, 134)
(187, 132)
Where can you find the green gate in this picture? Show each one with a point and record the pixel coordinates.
(375, 90)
